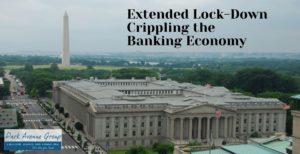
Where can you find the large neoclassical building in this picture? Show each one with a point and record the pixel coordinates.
(119, 113)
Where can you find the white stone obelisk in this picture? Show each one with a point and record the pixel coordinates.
(66, 44)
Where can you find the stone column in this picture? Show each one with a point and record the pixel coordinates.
(217, 128)
(234, 126)
(249, 125)
(256, 122)
(226, 126)
(264, 122)
(167, 130)
(242, 123)
(172, 128)
(272, 122)
(190, 128)
(199, 128)
(181, 128)
(147, 126)
(208, 129)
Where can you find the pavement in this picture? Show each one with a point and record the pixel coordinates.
(32, 119)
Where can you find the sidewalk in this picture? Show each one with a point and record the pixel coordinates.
(68, 125)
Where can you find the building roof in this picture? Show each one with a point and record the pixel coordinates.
(8, 117)
(189, 94)
(215, 151)
(279, 145)
(273, 147)
(296, 97)
(1, 81)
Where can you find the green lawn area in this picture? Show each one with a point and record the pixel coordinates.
(150, 151)
(77, 67)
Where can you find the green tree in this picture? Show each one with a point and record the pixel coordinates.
(61, 110)
(162, 148)
(137, 150)
(57, 106)
(54, 67)
(89, 67)
(28, 67)
(79, 137)
(257, 80)
(254, 135)
(79, 126)
(66, 115)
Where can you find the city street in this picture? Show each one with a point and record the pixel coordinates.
(32, 116)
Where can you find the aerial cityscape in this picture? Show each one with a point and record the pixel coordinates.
(73, 85)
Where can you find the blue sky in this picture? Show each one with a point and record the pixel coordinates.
(96, 26)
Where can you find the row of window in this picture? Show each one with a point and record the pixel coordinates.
(134, 122)
(253, 130)
(122, 83)
(7, 123)
(125, 143)
(134, 133)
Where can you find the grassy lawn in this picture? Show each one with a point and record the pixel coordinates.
(150, 151)
(76, 67)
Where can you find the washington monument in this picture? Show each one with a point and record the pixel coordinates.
(65, 60)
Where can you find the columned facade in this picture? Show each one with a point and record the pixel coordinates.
(200, 128)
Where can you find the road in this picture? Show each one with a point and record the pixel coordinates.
(32, 119)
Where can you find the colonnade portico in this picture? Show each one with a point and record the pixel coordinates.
(200, 127)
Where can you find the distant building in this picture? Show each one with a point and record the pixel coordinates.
(1, 82)
(118, 114)
(8, 118)
(296, 132)
(277, 146)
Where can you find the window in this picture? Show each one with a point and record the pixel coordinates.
(142, 124)
(125, 134)
(133, 133)
(151, 123)
(125, 125)
(116, 134)
(159, 123)
(107, 125)
(107, 134)
(142, 132)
